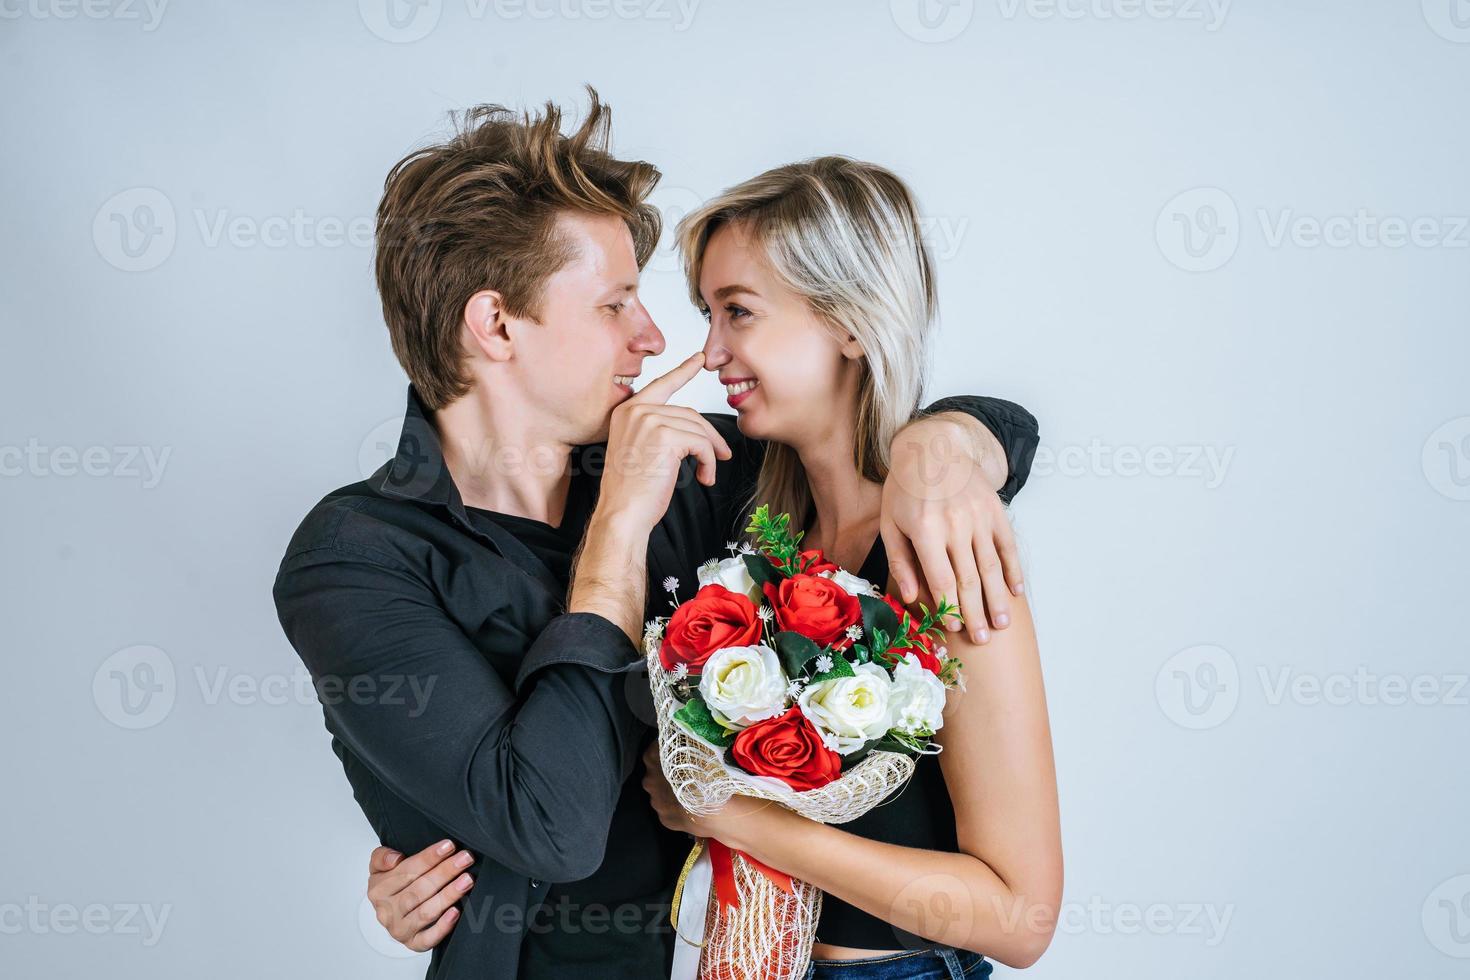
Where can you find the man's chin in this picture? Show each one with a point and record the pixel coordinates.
(596, 430)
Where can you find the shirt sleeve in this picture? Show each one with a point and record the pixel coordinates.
(527, 773)
(1014, 428)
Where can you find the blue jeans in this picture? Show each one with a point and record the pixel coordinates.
(939, 963)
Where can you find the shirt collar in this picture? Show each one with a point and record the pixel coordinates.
(417, 470)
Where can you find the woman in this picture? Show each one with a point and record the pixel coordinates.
(820, 298)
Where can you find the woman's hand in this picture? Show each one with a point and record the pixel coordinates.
(941, 515)
(671, 812)
(414, 898)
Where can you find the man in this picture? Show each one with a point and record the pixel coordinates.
(508, 263)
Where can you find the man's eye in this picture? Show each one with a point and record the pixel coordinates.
(616, 308)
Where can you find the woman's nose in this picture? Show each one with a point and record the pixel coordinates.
(715, 353)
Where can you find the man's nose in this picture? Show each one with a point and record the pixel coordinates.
(649, 338)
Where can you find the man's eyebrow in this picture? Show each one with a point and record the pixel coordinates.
(732, 290)
(627, 287)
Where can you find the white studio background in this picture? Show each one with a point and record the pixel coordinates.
(1219, 248)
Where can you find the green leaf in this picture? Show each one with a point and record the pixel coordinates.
(795, 651)
(877, 615)
(880, 744)
(696, 717)
(761, 570)
(840, 668)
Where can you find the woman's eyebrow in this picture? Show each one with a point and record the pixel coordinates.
(733, 289)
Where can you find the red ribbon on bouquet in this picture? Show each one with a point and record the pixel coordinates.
(721, 860)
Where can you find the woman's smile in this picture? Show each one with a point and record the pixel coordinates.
(738, 390)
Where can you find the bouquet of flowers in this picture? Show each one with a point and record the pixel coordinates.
(789, 679)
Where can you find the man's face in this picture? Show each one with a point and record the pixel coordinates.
(576, 365)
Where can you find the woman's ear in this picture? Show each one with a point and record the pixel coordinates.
(486, 327)
(851, 349)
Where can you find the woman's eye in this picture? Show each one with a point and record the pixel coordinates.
(704, 312)
(736, 312)
(615, 308)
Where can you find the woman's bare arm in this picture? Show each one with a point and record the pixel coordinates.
(1000, 894)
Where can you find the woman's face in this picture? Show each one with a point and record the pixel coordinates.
(786, 373)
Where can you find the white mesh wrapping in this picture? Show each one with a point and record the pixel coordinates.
(770, 935)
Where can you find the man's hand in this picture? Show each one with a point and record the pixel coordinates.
(415, 898)
(941, 516)
(648, 440)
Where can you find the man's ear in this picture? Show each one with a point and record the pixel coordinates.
(486, 326)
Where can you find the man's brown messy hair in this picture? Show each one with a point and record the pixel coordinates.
(478, 211)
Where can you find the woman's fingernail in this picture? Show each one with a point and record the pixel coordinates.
(445, 846)
(463, 881)
(984, 636)
(463, 859)
(1018, 588)
(1002, 619)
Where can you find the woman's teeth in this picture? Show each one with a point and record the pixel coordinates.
(740, 387)
(624, 379)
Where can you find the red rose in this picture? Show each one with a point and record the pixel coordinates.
(813, 562)
(817, 608)
(714, 619)
(919, 644)
(897, 607)
(788, 748)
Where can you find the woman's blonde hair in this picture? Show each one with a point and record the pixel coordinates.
(844, 235)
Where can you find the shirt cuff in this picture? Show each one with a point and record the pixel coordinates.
(581, 638)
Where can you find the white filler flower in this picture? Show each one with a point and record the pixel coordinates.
(918, 697)
(852, 709)
(743, 685)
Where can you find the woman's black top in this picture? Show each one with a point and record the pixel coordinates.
(919, 815)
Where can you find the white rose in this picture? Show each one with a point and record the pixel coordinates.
(918, 697)
(732, 574)
(850, 583)
(743, 685)
(851, 710)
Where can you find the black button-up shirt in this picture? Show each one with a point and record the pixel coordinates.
(465, 702)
